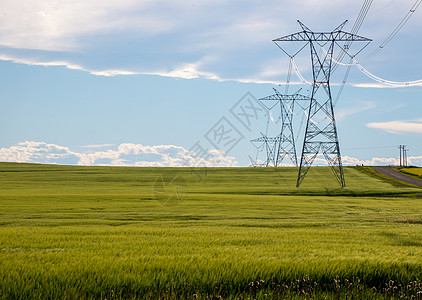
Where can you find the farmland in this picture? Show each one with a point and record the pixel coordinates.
(117, 232)
(417, 172)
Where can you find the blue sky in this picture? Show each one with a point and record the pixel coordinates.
(142, 82)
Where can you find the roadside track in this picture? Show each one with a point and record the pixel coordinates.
(388, 171)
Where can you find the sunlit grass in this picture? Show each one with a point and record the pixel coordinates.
(99, 232)
(412, 171)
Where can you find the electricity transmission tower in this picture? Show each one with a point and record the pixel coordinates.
(254, 163)
(321, 131)
(271, 147)
(286, 141)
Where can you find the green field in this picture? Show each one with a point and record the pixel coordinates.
(417, 172)
(70, 232)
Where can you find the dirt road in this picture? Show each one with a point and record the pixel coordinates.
(387, 171)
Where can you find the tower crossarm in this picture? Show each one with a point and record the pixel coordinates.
(266, 139)
(279, 97)
(259, 140)
(338, 36)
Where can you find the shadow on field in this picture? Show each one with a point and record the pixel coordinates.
(400, 240)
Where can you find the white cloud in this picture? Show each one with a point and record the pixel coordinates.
(396, 127)
(187, 71)
(376, 161)
(66, 64)
(381, 161)
(31, 62)
(61, 25)
(374, 85)
(98, 146)
(415, 160)
(129, 154)
(40, 152)
(382, 86)
(169, 38)
(126, 154)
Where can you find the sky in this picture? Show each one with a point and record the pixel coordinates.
(172, 83)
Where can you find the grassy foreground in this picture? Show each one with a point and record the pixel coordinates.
(102, 232)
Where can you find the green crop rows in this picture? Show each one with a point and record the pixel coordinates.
(70, 232)
(417, 172)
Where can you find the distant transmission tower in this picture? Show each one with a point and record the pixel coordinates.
(321, 131)
(271, 145)
(286, 141)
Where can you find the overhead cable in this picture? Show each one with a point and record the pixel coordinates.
(372, 76)
(397, 29)
(298, 73)
(358, 23)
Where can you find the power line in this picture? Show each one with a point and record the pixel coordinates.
(353, 61)
(374, 77)
(384, 7)
(362, 15)
(378, 147)
(356, 27)
(396, 30)
(289, 75)
(369, 148)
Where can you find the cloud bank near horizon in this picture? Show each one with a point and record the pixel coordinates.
(129, 154)
(126, 154)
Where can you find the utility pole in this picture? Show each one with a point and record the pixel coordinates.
(321, 131)
(403, 155)
(400, 147)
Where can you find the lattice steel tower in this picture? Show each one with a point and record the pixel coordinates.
(271, 145)
(286, 141)
(321, 131)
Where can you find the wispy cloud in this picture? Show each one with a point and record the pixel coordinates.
(359, 107)
(66, 64)
(397, 127)
(186, 71)
(381, 86)
(63, 26)
(165, 38)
